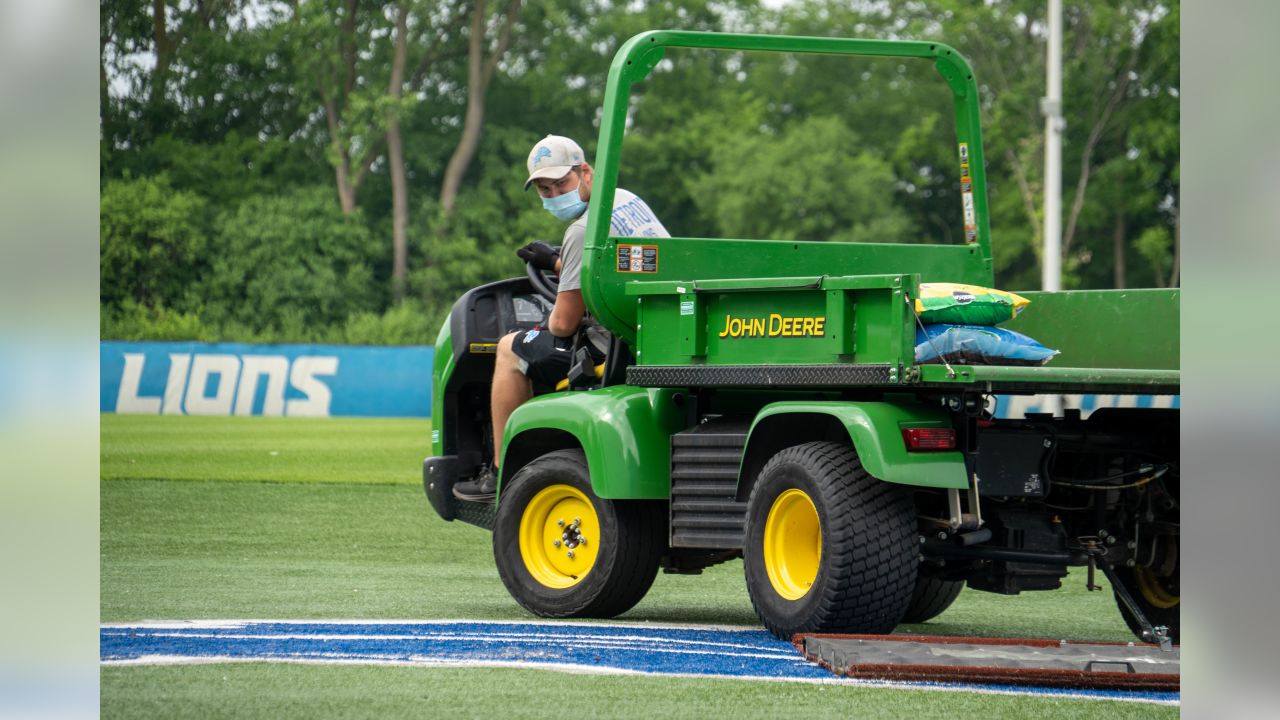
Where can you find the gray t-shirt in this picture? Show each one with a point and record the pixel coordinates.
(631, 218)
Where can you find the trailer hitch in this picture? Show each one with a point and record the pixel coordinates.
(1093, 550)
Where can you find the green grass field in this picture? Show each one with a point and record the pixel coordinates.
(286, 518)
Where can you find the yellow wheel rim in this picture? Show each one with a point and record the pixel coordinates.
(559, 536)
(792, 544)
(1153, 591)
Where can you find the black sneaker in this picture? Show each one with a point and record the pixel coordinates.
(483, 488)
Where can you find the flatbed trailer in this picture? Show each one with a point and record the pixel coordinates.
(761, 399)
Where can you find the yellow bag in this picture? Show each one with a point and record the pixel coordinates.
(967, 304)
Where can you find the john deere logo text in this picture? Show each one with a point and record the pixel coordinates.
(773, 326)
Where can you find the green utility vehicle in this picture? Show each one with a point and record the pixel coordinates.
(761, 400)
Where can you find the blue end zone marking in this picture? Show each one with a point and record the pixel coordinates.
(655, 650)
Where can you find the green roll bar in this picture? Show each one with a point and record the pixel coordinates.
(642, 53)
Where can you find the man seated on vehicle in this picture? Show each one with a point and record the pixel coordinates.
(535, 360)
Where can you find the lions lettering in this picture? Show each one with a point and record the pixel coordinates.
(226, 384)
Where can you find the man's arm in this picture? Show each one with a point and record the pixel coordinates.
(570, 308)
(567, 314)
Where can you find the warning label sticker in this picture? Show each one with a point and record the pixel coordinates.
(686, 307)
(638, 258)
(966, 194)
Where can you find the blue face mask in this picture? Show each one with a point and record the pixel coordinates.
(565, 207)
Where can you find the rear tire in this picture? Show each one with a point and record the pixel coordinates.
(829, 548)
(931, 597)
(606, 575)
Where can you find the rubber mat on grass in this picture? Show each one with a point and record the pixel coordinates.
(1042, 663)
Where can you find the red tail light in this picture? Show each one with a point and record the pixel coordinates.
(925, 439)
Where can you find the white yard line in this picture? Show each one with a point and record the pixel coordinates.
(241, 622)
(583, 640)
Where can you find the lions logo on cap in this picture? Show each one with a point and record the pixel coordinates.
(541, 153)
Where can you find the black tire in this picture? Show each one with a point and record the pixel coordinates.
(931, 597)
(1152, 593)
(630, 542)
(869, 552)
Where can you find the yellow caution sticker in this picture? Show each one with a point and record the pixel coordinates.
(966, 196)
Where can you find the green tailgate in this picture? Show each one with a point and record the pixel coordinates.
(788, 321)
(1111, 341)
(1106, 328)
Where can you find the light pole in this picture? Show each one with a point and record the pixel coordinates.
(1051, 107)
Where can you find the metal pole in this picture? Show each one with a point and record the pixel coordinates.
(1051, 106)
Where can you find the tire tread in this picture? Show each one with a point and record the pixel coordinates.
(870, 561)
(931, 597)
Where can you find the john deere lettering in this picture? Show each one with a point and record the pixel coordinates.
(773, 326)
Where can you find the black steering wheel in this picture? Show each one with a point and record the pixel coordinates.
(544, 284)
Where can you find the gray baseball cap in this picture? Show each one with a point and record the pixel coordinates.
(553, 157)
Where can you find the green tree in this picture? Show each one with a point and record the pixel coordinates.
(812, 183)
(153, 242)
(291, 264)
(225, 107)
(218, 116)
(1120, 64)
(343, 69)
(1133, 204)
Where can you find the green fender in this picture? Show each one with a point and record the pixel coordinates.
(443, 368)
(874, 428)
(625, 432)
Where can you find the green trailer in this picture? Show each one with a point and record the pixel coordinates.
(761, 399)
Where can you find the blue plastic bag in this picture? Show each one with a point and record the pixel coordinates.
(978, 345)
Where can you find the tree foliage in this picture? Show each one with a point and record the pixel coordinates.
(289, 262)
(814, 182)
(153, 241)
(247, 185)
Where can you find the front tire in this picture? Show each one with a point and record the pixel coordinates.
(829, 548)
(563, 552)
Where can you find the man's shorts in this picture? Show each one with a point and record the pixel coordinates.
(545, 358)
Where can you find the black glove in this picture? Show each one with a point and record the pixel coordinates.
(540, 255)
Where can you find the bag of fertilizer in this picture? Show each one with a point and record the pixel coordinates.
(978, 345)
(967, 304)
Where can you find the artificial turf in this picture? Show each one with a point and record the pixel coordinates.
(270, 449)
(336, 526)
(260, 690)
(216, 550)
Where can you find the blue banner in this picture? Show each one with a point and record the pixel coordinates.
(191, 378)
(1016, 406)
(188, 378)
